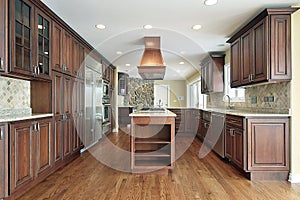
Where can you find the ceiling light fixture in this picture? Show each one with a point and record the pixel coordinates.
(196, 27)
(100, 26)
(181, 63)
(127, 65)
(210, 2)
(148, 26)
(119, 52)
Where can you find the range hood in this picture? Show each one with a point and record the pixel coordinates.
(152, 65)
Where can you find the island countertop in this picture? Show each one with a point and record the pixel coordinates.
(166, 113)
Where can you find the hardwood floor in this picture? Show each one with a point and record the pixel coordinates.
(192, 178)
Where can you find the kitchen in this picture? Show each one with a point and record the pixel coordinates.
(44, 148)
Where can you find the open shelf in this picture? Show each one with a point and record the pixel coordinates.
(146, 153)
(151, 141)
(153, 163)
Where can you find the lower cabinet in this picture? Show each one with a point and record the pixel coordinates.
(3, 161)
(31, 150)
(259, 146)
(186, 121)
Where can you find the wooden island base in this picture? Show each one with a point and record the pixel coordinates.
(152, 142)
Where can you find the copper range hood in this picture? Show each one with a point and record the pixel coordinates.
(152, 65)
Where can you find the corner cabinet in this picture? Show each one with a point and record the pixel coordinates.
(259, 146)
(30, 40)
(212, 74)
(261, 51)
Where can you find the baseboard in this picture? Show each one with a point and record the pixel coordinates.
(294, 178)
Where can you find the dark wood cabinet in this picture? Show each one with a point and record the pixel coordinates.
(269, 137)
(78, 54)
(123, 113)
(234, 140)
(122, 83)
(3, 37)
(185, 121)
(56, 44)
(62, 86)
(4, 161)
(30, 40)
(31, 149)
(212, 74)
(261, 51)
(66, 52)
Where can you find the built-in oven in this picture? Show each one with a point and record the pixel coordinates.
(106, 125)
(105, 85)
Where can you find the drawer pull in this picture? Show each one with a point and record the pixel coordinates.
(1, 134)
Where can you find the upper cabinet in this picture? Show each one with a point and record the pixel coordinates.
(122, 83)
(212, 73)
(30, 40)
(3, 37)
(261, 51)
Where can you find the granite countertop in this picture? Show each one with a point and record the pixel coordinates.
(12, 118)
(165, 113)
(245, 113)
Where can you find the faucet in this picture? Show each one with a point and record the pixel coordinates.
(229, 106)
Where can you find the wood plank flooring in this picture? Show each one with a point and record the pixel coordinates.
(192, 178)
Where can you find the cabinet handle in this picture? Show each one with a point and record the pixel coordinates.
(38, 70)
(252, 77)
(231, 131)
(1, 134)
(1, 62)
(63, 67)
(38, 127)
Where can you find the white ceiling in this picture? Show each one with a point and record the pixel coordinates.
(171, 20)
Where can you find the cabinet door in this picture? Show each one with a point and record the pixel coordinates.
(58, 141)
(22, 32)
(81, 112)
(22, 155)
(56, 53)
(229, 144)
(75, 57)
(246, 57)
(42, 47)
(4, 162)
(280, 47)
(268, 144)
(67, 124)
(75, 116)
(67, 131)
(235, 79)
(67, 51)
(43, 146)
(190, 121)
(260, 51)
(238, 149)
(67, 95)
(3, 36)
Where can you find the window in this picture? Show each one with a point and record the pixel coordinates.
(197, 100)
(236, 95)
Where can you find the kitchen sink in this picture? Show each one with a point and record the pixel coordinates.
(152, 109)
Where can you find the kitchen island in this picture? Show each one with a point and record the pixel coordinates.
(152, 141)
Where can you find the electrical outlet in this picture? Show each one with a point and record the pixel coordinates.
(253, 100)
(271, 99)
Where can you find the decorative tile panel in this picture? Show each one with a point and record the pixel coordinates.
(140, 93)
(15, 94)
(280, 92)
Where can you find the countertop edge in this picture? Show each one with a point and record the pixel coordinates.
(22, 118)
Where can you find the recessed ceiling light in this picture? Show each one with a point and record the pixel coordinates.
(181, 63)
(127, 65)
(119, 52)
(148, 26)
(210, 2)
(196, 27)
(221, 45)
(182, 52)
(100, 26)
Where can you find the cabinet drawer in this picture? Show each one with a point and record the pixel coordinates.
(234, 121)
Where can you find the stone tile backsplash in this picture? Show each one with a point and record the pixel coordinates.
(280, 92)
(140, 93)
(15, 96)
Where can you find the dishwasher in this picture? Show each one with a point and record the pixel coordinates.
(215, 136)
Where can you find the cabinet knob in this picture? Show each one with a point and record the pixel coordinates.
(231, 131)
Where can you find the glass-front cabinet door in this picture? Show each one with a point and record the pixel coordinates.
(30, 39)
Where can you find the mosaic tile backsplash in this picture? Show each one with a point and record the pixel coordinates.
(15, 96)
(280, 92)
(140, 93)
